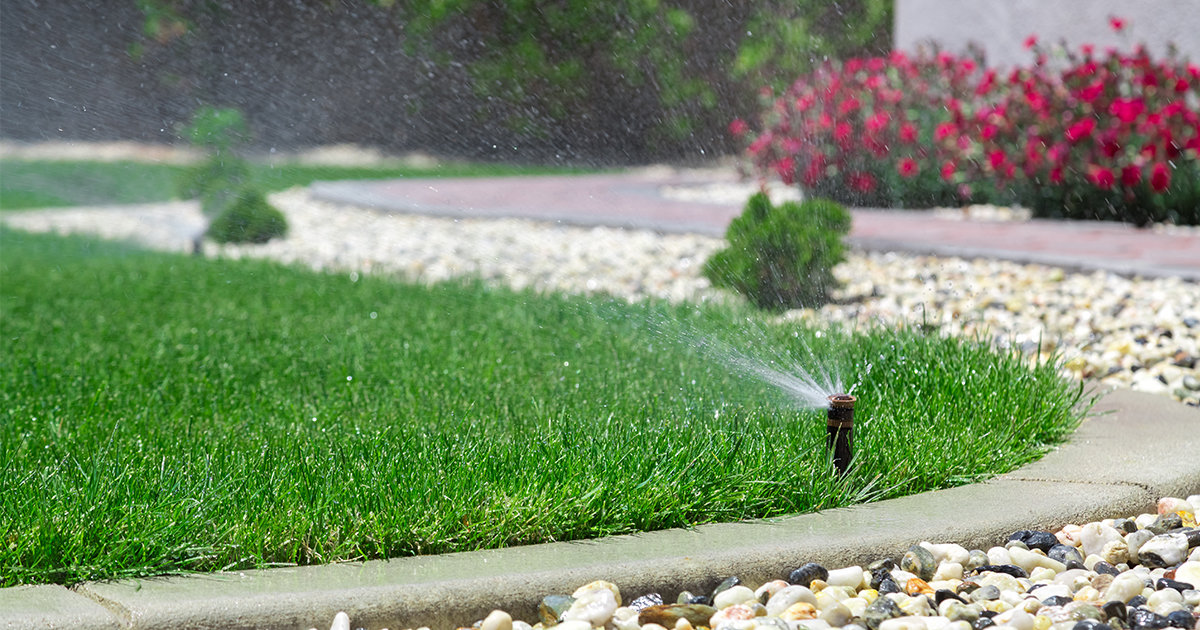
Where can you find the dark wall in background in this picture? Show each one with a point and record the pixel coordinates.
(304, 72)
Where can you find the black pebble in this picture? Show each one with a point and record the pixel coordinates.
(1193, 537)
(1010, 569)
(1115, 609)
(1169, 583)
(645, 601)
(1090, 624)
(1165, 523)
(889, 586)
(1104, 567)
(878, 576)
(703, 600)
(1057, 600)
(982, 622)
(1035, 539)
(1141, 618)
(942, 594)
(1135, 601)
(988, 613)
(1125, 525)
(1182, 619)
(1067, 555)
(807, 573)
(725, 585)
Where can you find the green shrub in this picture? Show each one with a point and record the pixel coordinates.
(248, 219)
(782, 257)
(215, 182)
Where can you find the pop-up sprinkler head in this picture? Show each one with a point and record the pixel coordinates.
(839, 430)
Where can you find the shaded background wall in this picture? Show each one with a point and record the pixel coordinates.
(1000, 27)
(313, 72)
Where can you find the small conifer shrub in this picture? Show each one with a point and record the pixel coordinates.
(782, 257)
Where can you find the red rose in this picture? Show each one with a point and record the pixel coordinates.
(997, 159)
(862, 182)
(1131, 176)
(907, 167)
(1117, 24)
(738, 127)
(786, 168)
(842, 132)
(1102, 177)
(1160, 177)
(1030, 42)
(1081, 129)
(948, 170)
(908, 133)
(1127, 109)
(943, 131)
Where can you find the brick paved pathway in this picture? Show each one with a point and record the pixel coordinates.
(634, 200)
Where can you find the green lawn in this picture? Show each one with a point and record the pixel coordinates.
(36, 183)
(165, 413)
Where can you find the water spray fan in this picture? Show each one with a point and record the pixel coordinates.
(839, 430)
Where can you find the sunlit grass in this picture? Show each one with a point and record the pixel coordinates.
(44, 183)
(168, 413)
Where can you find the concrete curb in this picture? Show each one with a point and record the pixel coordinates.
(1135, 449)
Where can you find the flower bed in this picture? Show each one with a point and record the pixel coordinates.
(1077, 134)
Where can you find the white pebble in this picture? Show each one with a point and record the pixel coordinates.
(341, 621)
(1164, 550)
(497, 620)
(1095, 536)
(780, 601)
(851, 577)
(904, 623)
(734, 595)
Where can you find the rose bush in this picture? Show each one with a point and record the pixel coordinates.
(1075, 134)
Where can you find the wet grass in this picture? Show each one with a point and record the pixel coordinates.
(42, 183)
(163, 413)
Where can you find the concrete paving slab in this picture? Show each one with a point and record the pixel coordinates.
(35, 607)
(1133, 438)
(1081, 481)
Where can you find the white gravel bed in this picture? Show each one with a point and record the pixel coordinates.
(1141, 572)
(1141, 333)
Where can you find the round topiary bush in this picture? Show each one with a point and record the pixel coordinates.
(782, 257)
(248, 219)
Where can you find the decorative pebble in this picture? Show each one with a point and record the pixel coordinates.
(496, 620)
(1164, 550)
(919, 561)
(805, 575)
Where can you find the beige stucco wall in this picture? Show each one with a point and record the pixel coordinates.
(1001, 26)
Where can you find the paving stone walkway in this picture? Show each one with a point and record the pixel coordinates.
(635, 200)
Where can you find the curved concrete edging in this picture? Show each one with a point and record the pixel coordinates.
(1135, 449)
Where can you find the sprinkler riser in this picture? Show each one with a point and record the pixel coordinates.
(839, 430)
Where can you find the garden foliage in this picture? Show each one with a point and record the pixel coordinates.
(782, 256)
(1086, 135)
(248, 219)
(239, 212)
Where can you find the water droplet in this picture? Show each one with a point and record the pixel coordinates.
(374, 314)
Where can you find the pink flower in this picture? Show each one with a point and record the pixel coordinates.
(1160, 177)
(738, 127)
(944, 130)
(1102, 177)
(878, 122)
(1030, 42)
(1181, 85)
(786, 168)
(948, 170)
(1087, 49)
(862, 182)
(907, 167)
(1056, 175)
(997, 159)
(1081, 129)
(989, 131)
(847, 106)
(842, 132)
(1131, 176)
(1117, 24)
(908, 133)
(1091, 92)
